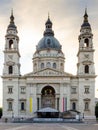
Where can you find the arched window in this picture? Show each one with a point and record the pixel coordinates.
(73, 106)
(86, 41)
(22, 106)
(48, 64)
(86, 105)
(54, 65)
(86, 69)
(10, 69)
(42, 65)
(10, 44)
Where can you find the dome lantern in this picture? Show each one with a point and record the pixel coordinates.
(48, 31)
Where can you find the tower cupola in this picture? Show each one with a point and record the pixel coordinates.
(12, 25)
(85, 22)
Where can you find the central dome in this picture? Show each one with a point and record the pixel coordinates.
(48, 41)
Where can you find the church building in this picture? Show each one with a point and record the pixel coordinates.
(48, 85)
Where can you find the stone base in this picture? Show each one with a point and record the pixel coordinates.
(89, 119)
(6, 119)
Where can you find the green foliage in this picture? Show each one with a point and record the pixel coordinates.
(0, 112)
(96, 110)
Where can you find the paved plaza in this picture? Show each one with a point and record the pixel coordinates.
(50, 126)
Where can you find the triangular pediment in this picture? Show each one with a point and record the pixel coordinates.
(48, 72)
(45, 72)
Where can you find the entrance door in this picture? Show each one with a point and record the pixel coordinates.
(48, 97)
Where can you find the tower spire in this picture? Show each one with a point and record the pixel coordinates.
(48, 15)
(12, 11)
(85, 16)
(12, 17)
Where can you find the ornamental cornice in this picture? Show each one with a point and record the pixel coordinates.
(12, 51)
(10, 63)
(87, 99)
(87, 62)
(73, 99)
(10, 99)
(86, 76)
(22, 99)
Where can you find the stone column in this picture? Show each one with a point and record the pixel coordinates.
(40, 102)
(57, 102)
(39, 98)
(61, 98)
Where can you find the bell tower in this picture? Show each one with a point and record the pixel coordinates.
(11, 71)
(86, 51)
(85, 70)
(11, 51)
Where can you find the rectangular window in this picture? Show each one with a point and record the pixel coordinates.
(86, 89)
(23, 90)
(10, 106)
(86, 106)
(74, 106)
(10, 89)
(73, 90)
(22, 105)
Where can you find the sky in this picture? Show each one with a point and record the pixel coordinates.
(30, 17)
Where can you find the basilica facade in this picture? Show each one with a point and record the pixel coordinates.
(48, 85)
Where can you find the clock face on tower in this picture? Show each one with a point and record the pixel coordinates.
(86, 56)
(10, 57)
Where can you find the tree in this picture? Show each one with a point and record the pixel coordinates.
(0, 112)
(96, 110)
